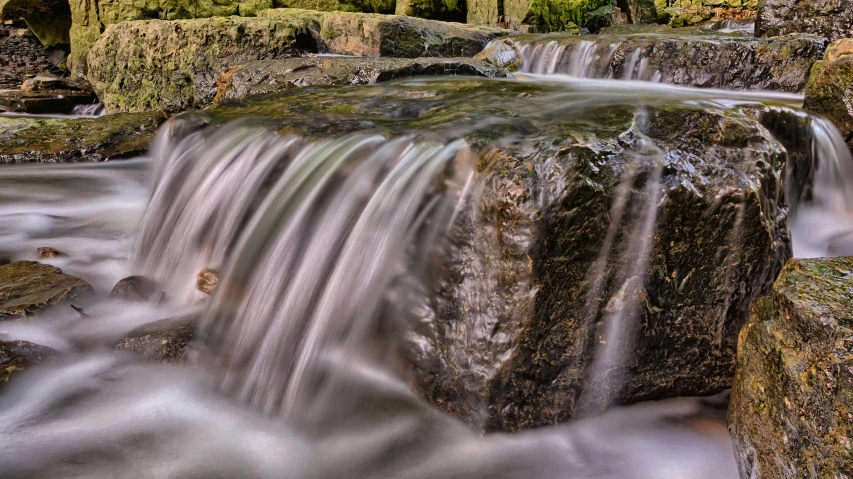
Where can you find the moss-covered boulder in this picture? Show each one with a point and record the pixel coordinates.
(830, 87)
(832, 19)
(791, 409)
(50, 20)
(373, 35)
(447, 10)
(544, 257)
(27, 287)
(704, 58)
(166, 341)
(25, 140)
(19, 356)
(266, 76)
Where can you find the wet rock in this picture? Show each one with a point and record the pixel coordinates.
(40, 102)
(537, 269)
(27, 287)
(25, 140)
(704, 59)
(134, 288)
(266, 76)
(372, 35)
(502, 53)
(207, 280)
(832, 19)
(173, 66)
(19, 356)
(22, 56)
(165, 341)
(47, 252)
(792, 399)
(54, 83)
(830, 87)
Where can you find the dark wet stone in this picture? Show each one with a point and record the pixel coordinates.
(19, 356)
(134, 288)
(791, 410)
(517, 326)
(267, 76)
(832, 19)
(44, 101)
(27, 287)
(165, 341)
(25, 140)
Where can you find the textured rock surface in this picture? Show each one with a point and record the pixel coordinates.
(163, 341)
(207, 280)
(832, 19)
(22, 57)
(518, 322)
(502, 53)
(830, 87)
(134, 288)
(27, 287)
(50, 20)
(697, 57)
(24, 140)
(363, 34)
(791, 410)
(173, 66)
(266, 76)
(45, 102)
(19, 356)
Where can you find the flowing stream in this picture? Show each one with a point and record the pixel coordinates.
(328, 249)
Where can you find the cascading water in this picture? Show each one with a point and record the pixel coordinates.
(330, 252)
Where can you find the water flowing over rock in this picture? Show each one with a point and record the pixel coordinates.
(27, 287)
(584, 229)
(830, 88)
(265, 76)
(832, 19)
(790, 412)
(700, 58)
(166, 341)
(19, 356)
(51, 140)
(173, 66)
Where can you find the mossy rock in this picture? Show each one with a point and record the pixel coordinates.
(791, 409)
(265, 76)
(50, 20)
(25, 140)
(28, 287)
(830, 87)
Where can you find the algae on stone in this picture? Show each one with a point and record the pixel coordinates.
(28, 287)
(50, 20)
(791, 408)
(830, 87)
(24, 140)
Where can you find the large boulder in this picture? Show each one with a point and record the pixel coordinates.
(266, 76)
(832, 19)
(703, 58)
(28, 287)
(830, 87)
(791, 410)
(670, 217)
(25, 140)
(173, 66)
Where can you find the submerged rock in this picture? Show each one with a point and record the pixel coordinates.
(27, 287)
(173, 66)
(791, 410)
(702, 58)
(266, 76)
(165, 341)
(670, 216)
(207, 280)
(25, 140)
(19, 356)
(134, 288)
(46, 252)
(830, 87)
(832, 19)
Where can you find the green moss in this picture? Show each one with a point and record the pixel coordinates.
(560, 15)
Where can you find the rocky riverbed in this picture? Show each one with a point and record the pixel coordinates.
(512, 221)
